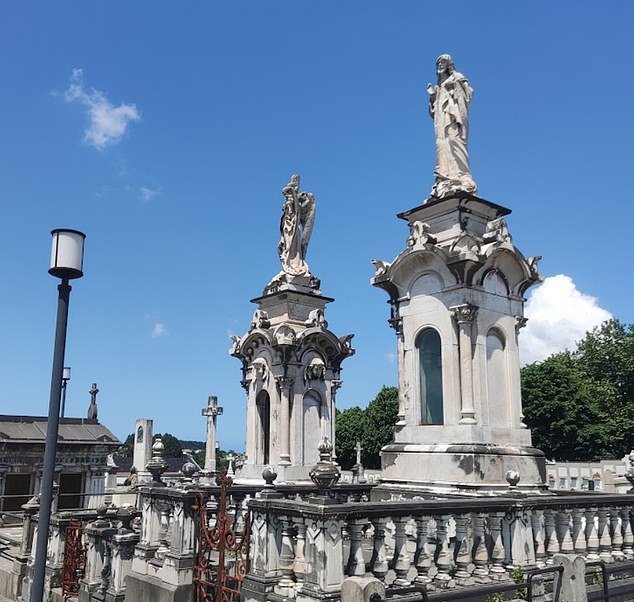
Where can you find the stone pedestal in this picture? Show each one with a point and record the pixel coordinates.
(291, 365)
(457, 304)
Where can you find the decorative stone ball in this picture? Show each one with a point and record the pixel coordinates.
(102, 511)
(512, 477)
(158, 448)
(269, 475)
(188, 469)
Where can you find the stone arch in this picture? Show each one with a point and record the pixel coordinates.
(312, 414)
(494, 282)
(430, 390)
(497, 376)
(263, 430)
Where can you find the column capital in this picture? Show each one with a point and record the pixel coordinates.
(465, 313)
(284, 382)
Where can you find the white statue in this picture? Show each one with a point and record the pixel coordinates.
(449, 106)
(296, 226)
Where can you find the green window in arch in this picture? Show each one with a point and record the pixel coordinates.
(430, 364)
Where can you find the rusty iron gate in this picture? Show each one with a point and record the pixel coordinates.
(74, 559)
(222, 550)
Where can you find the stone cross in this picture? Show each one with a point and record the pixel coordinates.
(231, 458)
(358, 449)
(211, 411)
(92, 408)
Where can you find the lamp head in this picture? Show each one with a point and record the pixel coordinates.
(67, 254)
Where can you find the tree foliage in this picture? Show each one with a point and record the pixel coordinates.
(580, 405)
(372, 427)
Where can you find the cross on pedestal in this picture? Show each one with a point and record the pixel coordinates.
(358, 449)
(212, 411)
(231, 458)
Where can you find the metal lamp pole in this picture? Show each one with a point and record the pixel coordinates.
(66, 263)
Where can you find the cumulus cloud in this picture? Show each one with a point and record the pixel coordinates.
(159, 330)
(108, 123)
(147, 194)
(559, 316)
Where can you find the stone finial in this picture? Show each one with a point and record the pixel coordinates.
(325, 474)
(157, 465)
(512, 478)
(269, 475)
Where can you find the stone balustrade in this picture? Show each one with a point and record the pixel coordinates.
(305, 549)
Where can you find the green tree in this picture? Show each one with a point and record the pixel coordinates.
(564, 408)
(173, 447)
(350, 425)
(372, 427)
(381, 415)
(127, 449)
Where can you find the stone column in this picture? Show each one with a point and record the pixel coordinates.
(464, 315)
(396, 322)
(212, 411)
(285, 385)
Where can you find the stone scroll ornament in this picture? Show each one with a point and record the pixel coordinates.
(449, 107)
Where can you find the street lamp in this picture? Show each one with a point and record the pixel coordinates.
(65, 379)
(67, 256)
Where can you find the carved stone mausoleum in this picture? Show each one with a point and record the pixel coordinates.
(291, 361)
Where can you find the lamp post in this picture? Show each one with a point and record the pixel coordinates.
(67, 257)
(65, 379)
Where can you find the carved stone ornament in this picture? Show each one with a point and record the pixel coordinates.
(284, 382)
(420, 234)
(260, 371)
(317, 318)
(260, 320)
(346, 341)
(380, 267)
(316, 370)
(465, 313)
(520, 322)
(497, 232)
(532, 264)
(285, 336)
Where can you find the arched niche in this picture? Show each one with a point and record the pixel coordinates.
(311, 425)
(429, 349)
(494, 283)
(497, 376)
(427, 284)
(263, 434)
(139, 434)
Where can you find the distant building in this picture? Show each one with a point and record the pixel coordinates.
(603, 475)
(82, 450)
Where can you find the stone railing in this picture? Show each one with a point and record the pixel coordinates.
(305, 549)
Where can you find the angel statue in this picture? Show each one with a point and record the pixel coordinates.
(449, 106)
(296, 226)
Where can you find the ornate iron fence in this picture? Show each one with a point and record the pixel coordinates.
(74, 558)
(222, 548)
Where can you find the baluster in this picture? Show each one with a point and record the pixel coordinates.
(617, 534)
(537, 523)
(462, 552)
(563, 523)
(628, 536)
(480, 553)
(578, 535)
(402, 558)
(378, 562)
(592, 537)
(443, 559)
(287, 559)
(299, 566)
(356, 562)
(605, 541)
(497, 570)
(422, 560)
(552, 543)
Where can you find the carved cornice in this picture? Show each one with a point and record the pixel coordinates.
(465, 313)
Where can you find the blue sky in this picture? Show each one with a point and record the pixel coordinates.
(200, 113)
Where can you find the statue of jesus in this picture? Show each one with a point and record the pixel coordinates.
(449, 106)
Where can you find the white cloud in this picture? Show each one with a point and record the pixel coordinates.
(147, 194)
(558, 318)
(108, 123)
(390, 357)
(159, 330)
